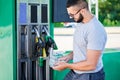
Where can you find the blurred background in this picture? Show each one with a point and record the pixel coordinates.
(107, 11)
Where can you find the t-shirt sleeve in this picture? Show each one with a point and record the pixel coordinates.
(96, 40)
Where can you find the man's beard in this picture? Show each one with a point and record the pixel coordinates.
(80, 18)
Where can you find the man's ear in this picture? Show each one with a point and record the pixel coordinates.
(83, 11)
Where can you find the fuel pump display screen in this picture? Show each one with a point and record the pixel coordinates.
(22, 13)
(44, 15)
(33, 14)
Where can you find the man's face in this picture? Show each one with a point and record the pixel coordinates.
(74, 12)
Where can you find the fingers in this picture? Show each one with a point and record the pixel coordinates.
(63, 59)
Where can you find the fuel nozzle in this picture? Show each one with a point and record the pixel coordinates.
(40, 45)
(49, 40)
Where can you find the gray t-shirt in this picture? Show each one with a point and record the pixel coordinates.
(91, 35)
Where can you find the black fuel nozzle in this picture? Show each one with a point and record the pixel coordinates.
(39, 43)
(38, 49)
(49, 40)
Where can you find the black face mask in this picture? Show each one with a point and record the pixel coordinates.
(80, 18)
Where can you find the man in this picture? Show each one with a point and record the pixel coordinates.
(88, 45)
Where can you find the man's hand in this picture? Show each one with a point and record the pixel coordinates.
(66, 58)
(60, 65)
(62, 62)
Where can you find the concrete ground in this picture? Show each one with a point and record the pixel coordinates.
(64, 38)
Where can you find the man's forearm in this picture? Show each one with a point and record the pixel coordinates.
(90, 63)
(83, 66)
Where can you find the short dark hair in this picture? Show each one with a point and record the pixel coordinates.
(82, 3)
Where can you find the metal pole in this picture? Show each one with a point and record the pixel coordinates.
(89, 4)
(96, 9)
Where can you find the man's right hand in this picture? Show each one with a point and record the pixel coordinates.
(66, 58)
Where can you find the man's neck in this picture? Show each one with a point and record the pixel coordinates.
(87, 18)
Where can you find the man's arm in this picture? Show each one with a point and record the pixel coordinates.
(88, 64)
